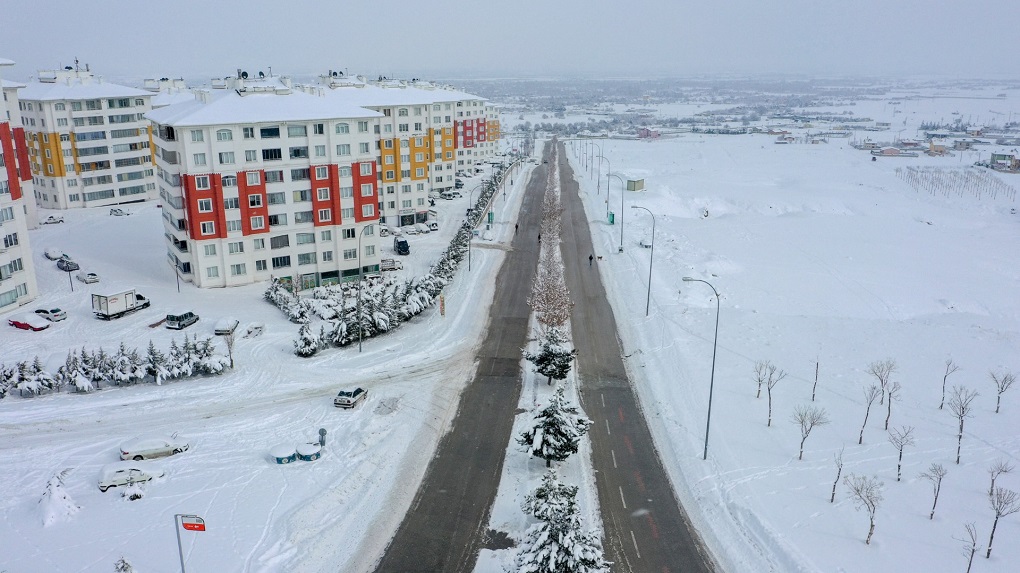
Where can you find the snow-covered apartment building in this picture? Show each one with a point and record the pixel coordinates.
(88, 140)
(263, 178)
(17, 209)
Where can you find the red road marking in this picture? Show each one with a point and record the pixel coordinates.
(630, 446)
(640, 482)
(651, 524)
(621, 414)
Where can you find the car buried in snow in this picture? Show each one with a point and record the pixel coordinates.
(127, 472)
(148, 447)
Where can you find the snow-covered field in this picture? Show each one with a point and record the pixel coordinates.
(820, 255)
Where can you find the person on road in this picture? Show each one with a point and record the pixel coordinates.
(516, 226)
(540, 237)
(590, 259)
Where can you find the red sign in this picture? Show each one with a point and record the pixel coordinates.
(192, 523)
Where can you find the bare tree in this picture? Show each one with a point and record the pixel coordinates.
(1003, 380)
(814, 386)
(807, 417)
(934, 474)
(894, 394)
(882, 370)
(950, 368)
(961, 404)
(870, 393)
(838, 458)
(1003, 502)
(760, 374)
(867, 494)
(900, 439)
(230, 339)
(998, 468)
(970, 545)
(774, 376)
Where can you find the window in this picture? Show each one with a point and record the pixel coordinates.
(229, 181)
(350, 254)
(210, 250)
(348, 233)
(202, 182)
(269, 132)
(237, 269)
(277, 220)
(301, 195)
(318, 129)
(388, 128)
(347, 213)
(59, 107)
(417, 127)
(390, 173)
(279, 242)
(306, 259)
(327, 256)
(251, 155)
(419, 157)
(299, 152)
(305, 238)
(369, 230)
(233, 225)
(368, 210)
(259, 244)
(208, 228)
(369, 250)
(322, 193)
(212, 272)
(325, 215)
(419, 172)
(258, 223)
(343, 149)
(205, 205)
(366, 168)
(253, 177)
(362, 127)
(274, 176)
(303, 217)
(345, 171)
(320, 150)
(367, 190)
(236, 247)
(402, 112)
(321, 172)
(326, 235)
(299, 174)
(224, 135)
(403, 127)
(199, 159)
(231, 203)
(343, 128)
(260, 265)
(197, 135)
(272, 154)
(281, 262)
(226, 157)
(254, 200)
(363, 147)
(248, 132)
(346, 192)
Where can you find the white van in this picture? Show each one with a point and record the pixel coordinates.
(433, 226)
(422, 228)
(448, 195)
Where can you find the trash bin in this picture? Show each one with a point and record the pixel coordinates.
(612, 218)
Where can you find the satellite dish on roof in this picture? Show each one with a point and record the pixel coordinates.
(244, 75)
(68, 68)
(262, 75)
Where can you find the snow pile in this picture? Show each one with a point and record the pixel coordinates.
(56, 504)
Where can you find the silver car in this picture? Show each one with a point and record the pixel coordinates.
(146, 447)
(124, 473)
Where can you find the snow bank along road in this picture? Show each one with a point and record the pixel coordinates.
(645, 527)
(444, 528)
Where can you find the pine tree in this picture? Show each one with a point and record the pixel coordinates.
(553, 359)
(156, 364)
(44, 379)
(556, 432)
(123, 566)
(307, 343)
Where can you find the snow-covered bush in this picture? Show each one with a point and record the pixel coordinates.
(55, 503)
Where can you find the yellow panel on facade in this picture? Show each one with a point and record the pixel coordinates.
(152, 145)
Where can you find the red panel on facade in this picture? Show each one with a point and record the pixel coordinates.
(21, 145)
(192, 196)
(9, 160)
(359, 200)
(261, 208)
(332, 203)
(480, 129)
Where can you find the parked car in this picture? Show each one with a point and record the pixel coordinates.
(54, 254)
(458, 185)
(433, 194)
(456, 194)
(148, 447)
(53, 219)
(118, 212)
(87, 278)
(226, 326)
(28, 322)
(433, 226)
(384, 231)
(349, 398)
(422, 228)
(181, 320)
(128, 472)
(448, 195)
(52, 314)
(409, 230)
(401, 246)
(67, 265)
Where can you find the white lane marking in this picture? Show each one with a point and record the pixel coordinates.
(634, 540)
(607, 427)
(621, 498)
(603, 396)
(614, 457)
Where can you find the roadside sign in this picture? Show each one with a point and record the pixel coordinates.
(192, 523)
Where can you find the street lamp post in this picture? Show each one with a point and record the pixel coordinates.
(594, 146)
(651, 258)
(715, 346)
(360, 280)
(622, 189)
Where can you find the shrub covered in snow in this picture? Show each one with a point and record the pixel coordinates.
(56, 504)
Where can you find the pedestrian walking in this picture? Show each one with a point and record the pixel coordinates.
(590, 259)
(516, 226)
(540, 237)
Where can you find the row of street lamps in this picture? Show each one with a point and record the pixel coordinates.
(587, 156)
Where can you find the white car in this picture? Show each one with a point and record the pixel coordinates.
(53, 219)
(145, 447)
(118, 212)
(350, 398)
(87, 278)
(54, 254)
(124, 473)
(52, 314)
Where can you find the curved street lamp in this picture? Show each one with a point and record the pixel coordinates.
(651, 258)
(592, 155)
(715, 345)
(623, 188)
(598, 178)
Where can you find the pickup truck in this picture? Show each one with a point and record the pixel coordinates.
(390, 265)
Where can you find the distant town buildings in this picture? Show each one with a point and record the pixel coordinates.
(17, 208)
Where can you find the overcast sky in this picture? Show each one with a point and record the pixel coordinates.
(514, 38)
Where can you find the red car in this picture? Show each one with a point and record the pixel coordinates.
(25, 322)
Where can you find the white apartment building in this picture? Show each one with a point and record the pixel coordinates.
(259, 179)
(17, 213)
(88, 140)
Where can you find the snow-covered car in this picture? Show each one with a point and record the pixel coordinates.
(118, 212)
(53, 219)
(128, 472)
(54, 254)
(409, 230)
(67, 265)
(350, 398)
(225, 326)
(28, 322)
(147, 447)
(52, 314)
(87, 278)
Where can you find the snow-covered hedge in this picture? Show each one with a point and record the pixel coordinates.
(86, 370)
